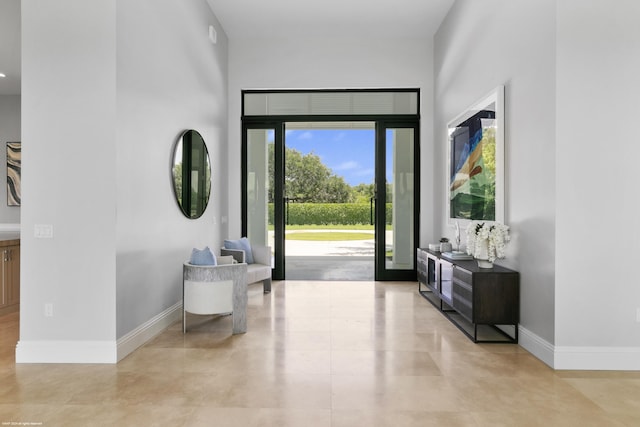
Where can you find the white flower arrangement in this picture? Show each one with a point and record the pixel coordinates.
(495, 236)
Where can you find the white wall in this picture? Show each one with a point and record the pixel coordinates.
(9, 132)
(170, 78)
(570, 69)
(69, 180)
(479, 46)
(319, 63)
(108, 86)
(598, 243)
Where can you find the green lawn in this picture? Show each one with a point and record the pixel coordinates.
(331, 227)
(327, 227)
(327, 236)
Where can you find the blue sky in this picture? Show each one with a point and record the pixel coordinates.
(347, 152)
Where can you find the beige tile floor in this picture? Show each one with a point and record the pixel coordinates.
(316, 354)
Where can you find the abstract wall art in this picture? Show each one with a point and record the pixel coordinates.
(14, 164)
(475, 166)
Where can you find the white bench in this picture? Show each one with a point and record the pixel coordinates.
(260, 270)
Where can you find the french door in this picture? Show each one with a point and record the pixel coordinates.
(263, 192)
(396, 200)
(395, 204)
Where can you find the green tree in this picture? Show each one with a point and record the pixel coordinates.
(362, 193)
(308, 180)
(337, 190)
(177, 181)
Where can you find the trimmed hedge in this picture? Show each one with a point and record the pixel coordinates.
(328, 213)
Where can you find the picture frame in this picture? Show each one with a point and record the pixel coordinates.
(14, 170)
(475, 162)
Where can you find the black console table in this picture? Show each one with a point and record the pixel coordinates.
(482, 303)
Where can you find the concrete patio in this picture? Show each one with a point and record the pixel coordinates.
(329, 260)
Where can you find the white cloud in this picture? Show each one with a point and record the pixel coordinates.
(296, 134)
(364, 172)
(350, 165)
(339, 136)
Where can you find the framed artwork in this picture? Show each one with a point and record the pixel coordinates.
(475, 163)
(14, 162)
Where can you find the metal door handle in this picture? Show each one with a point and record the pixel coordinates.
(371, 212)
(286, 214)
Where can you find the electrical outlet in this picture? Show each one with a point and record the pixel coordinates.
(48, 310)
(43, 231)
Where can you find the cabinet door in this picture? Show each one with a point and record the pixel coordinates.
(463, 292)
(446, 281)
(12, 274)
(433, 273)
(422, 269)
(496, 298)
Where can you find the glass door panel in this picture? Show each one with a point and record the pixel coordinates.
(259, 225)
(396, 203)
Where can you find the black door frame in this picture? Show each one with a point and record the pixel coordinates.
(277, 123)
(381, 272)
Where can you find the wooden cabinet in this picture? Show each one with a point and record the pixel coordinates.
(482, 303)
(10, 286)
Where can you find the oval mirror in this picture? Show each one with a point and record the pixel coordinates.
(191, 171)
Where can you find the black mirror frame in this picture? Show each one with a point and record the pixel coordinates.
(191, 150)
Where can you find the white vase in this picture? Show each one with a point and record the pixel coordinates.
(482, 254)
(484, 263)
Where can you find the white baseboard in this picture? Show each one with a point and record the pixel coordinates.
(598, 358)
(9, 227)
(148, 330)
(96, 351)
(535, 345)
(580, 358)
(66, 352)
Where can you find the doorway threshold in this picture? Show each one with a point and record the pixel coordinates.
(353, 268)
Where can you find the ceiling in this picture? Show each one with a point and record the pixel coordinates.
(245, 19)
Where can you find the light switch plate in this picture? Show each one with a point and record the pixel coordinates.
(43, 231)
